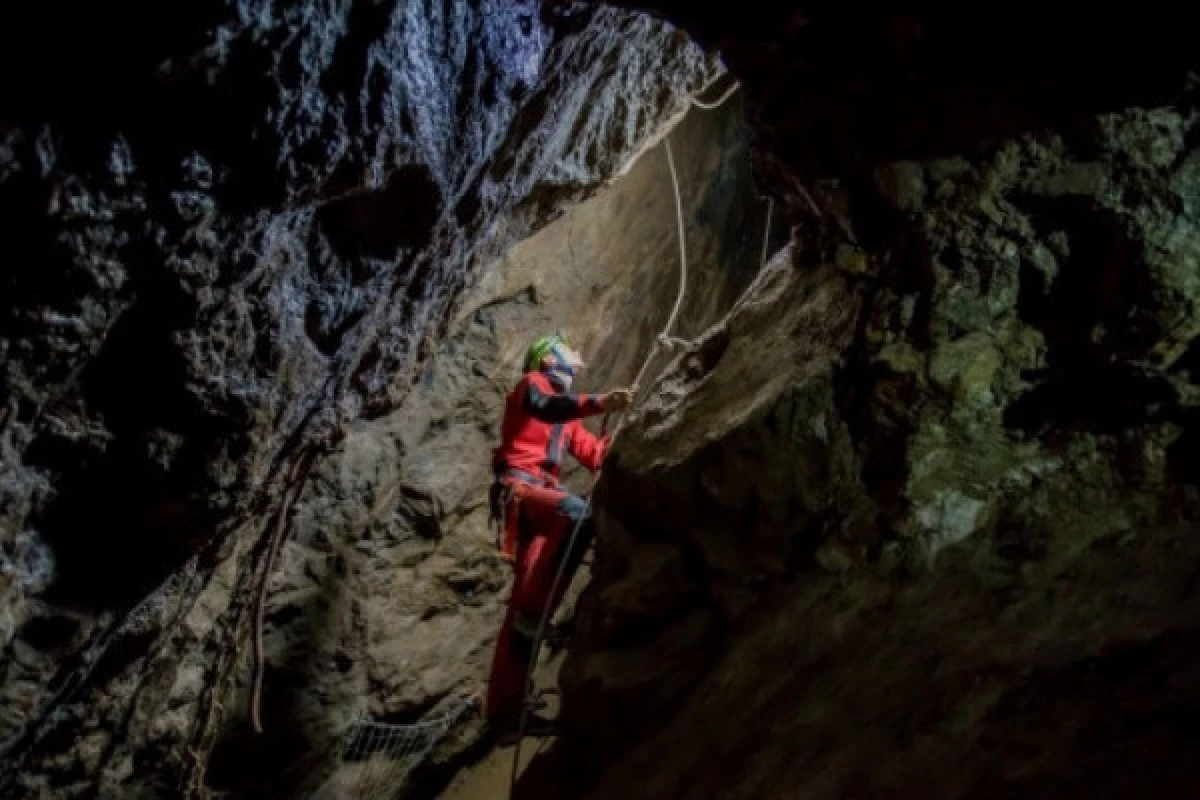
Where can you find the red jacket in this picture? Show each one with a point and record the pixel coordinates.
(541, 423)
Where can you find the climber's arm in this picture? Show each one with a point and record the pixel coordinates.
(587, 448)
(546, 405)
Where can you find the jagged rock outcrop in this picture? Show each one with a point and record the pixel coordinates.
(918, 516)
(230, 242)
(915, 517)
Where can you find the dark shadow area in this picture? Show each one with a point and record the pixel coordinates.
(100, 58)
(1084, 316)
(1102, 400)
(432, 777)
(295, 742)
(246, 764)
(931, 78)
(366, 24)
(118, 526)
(379, 223)
(1183, 455)
(1143, 716)
(37, 272)
(357, 236)
(326, 328)
(1101, 275)
(92, 70)
(50, 633)
(553, 773)
(128, 507)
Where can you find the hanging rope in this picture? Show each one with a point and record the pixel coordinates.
(661, 340)
(572, 539)
(668, 125)
(720, 101)
(295, 481)
(664, 335)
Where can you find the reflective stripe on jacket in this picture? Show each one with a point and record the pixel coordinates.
(541, 424)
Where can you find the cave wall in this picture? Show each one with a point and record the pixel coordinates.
(946, 548)
(390, 591)
(918, 516)
(953, 425)
(229, 242)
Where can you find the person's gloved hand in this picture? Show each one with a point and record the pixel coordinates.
(617, 400)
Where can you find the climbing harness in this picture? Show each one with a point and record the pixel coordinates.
(664, 340)
(504, 499)
(504, 505)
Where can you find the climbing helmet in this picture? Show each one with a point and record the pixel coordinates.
(556, 343)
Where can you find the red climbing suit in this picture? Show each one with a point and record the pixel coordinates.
(540, 424)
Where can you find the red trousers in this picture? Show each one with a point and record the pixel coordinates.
(549, 515)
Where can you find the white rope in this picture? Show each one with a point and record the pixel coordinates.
(665, 128)
(664, 339)
(666, 331)
(664, 335)
(713, 106)
(719, 101)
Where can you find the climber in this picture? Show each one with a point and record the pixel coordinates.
(536, 515)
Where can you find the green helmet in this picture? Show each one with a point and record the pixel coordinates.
(539, 349)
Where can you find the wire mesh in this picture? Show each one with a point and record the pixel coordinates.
(388, 753)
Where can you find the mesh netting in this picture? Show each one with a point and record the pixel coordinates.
(385, 754)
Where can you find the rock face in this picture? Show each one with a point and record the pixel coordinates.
(911, 511)
(391, 554)
(227, 269)
(918, 516)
